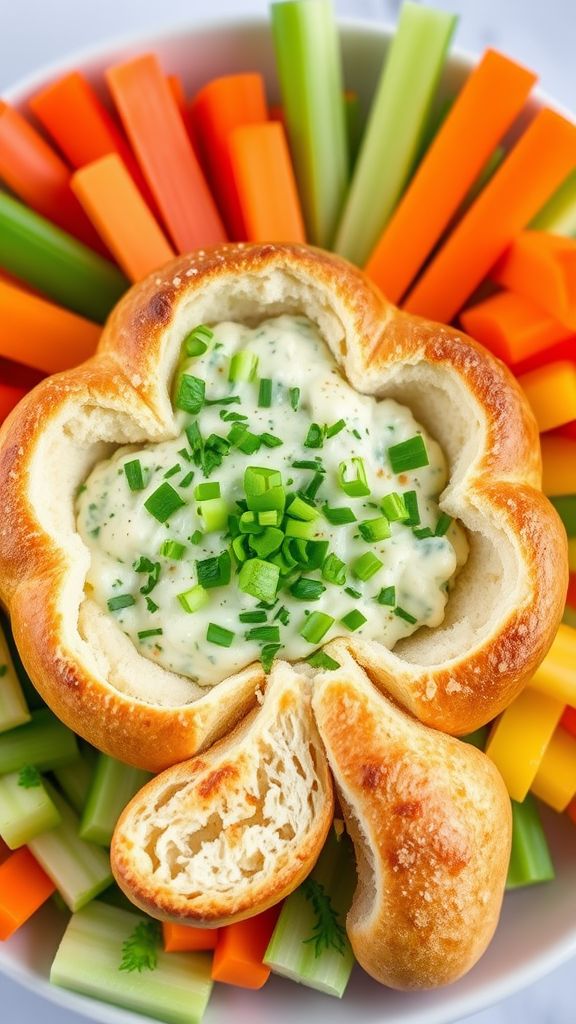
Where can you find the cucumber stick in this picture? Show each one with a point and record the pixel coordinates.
(13, 707)
(559, 214)
(79, 870)
(175, 990)
(113, 786)
(396, 127)
(530, 860)
(43, 742)
(309, 943)
(75, 779)
(309, 68)
(26, 810)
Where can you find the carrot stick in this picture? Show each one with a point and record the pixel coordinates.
(183, 938)
(43, 335)
(561, 351)
(512, 327)
(35, 173)
(551, 391)
(219, 107)
(543, 156)
(558, 465)
(491, 98)
(24, 887)
(568, 720)
(542, 267)
(158, 136)
(176, 86)
(265, 183)
(240, 949)
(120, 215)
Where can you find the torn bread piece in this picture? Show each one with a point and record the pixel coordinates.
(226, 835)
(431, 823)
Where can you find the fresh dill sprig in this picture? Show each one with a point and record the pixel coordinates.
(29, 777)
(140, 950)
(327, 933)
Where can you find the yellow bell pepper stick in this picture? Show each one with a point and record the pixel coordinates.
(558, 465)
(551, 391)
(556, 676)
(572, 554)
(519, 739)
(555, 781)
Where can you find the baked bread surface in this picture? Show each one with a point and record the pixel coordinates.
(501, 616)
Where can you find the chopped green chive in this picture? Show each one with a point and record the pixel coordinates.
(303, 529)
(258, 615)
(145, 633)
(232, 417)
(322, 660)
(191, 393)
(315, 464)
(300, 509)
(353, 620)
(294, 398)
(316, 626)
(151, 605)
(134, 475)
(219, 636)
(153, 569)
(357, 486)
(267, 655)
(270, 440)
(163, 502)
(423, 533)
(187, 480)
(240, 547)
(403, 614)
(339, 515)
(268, 518)
(307, 590)
(366, 566)
(172, 471)
(196, 537)
(394, 507)
(410, 454)
(258, 479)
(214, 513)
(375, 529)
(334, 570)
(120, 601)
(225, 400)
(266, 543)
(283, 614)
(196, 343)
(204, 491)
(315, 436)
(194, 599)
(243, 366)
(248, 523)
(352, 592)
(335, 428)
(265, 393)
(411, 502)
(215, 571)
(315, 484)
(264, 634)
(443, 525)
(240, 437)
(260, 579)
(387, 596)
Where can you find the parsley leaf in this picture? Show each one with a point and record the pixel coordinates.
(140, 950)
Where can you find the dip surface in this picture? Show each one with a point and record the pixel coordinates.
(137, 578)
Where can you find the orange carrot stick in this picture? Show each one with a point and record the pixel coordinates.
(541, 159)
(176, 87)
(568, 720)
(158, 136)
(183, 938)
(491, 98)
(41, 334)
(542, 267)
(24, 887)
(35, 173)
(219, 107)
(551, 391)
(512, 327)
(265, 183)
(240, 949)
(121, 217)
(563, 350)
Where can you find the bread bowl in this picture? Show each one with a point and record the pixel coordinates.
(506, 602)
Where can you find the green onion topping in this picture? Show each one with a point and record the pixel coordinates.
(357, 486)
(322, 660)
(410, 454)
(145, 633)
(215, 571)
(334, 570)
(219, 636)
(387, 596)
(394, 507)
(191, 393)
(260, 579)
(443, 525)
(163, 502)
(375, 529)
(307, 590)
(366, 566)
(194, 599)
(120, 601)
(353, 620)
(134, 475)
(243, 366)
(316, 626)
(403, 614)
(265, 393)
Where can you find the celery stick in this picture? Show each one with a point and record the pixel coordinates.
(559, 213)
(530, 860)
(13, 707)
(31, 695)
(565, 506)
(354, 128)
(477, 738)
(396, 126)
(310, 73)
(301, 947)
(113, 786)
(174, 987)
(75, 778)
(43, 742)
(79, 870)
(26, 809)
(58, 265)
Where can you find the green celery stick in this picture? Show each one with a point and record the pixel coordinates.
(396, 126)
(13, 707)
(477, 738)
(559, 213)
(309, 68)
(353, 119)
(58, 265)
(303, 947)
(26, 809)
(79, 870)
(174, 987)
(43, 742)
(530, 860)
(565, 506)
(75, 779)
(113, 786)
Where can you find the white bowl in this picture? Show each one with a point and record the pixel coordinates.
(537, 931)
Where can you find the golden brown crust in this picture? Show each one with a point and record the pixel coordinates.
(123, 394)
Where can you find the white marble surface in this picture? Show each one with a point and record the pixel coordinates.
(34, 32)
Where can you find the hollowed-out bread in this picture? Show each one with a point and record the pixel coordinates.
(501, 616)
(232, 832)
(431, 823)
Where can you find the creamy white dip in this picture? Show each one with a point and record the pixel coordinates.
(123, 536)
